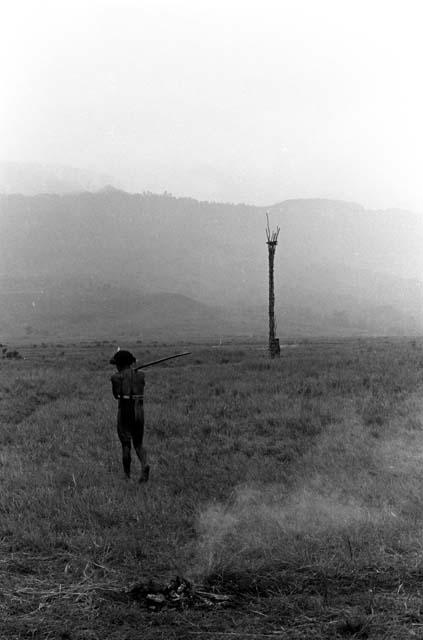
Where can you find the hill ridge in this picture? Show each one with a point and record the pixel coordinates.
(332, 257)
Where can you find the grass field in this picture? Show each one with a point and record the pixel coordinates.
(293, 486)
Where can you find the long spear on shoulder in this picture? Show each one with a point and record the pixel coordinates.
(150, 364)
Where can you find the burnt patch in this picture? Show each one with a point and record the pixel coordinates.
(179, 593)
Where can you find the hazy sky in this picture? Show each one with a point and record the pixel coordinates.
(253, 101)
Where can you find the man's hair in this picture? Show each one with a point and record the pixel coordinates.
(123, 358)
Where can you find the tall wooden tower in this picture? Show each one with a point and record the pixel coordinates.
(272, 241)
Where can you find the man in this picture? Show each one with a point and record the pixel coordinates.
(128, 389)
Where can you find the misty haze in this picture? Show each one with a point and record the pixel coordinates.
(92, 264)
(211, 319)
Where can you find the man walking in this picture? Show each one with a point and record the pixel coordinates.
(128, 388)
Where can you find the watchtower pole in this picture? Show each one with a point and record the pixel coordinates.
(272, 241)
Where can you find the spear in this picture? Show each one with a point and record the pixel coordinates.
(150, 364)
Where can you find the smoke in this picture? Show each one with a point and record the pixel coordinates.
(264, 525)
(353, 497)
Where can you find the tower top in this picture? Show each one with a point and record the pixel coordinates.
(272, 236)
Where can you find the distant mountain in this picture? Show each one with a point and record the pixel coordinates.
(87, 308)
(32, 179)
(339, 268)
(148, 242)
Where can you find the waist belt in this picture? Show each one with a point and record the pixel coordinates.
(131, 397)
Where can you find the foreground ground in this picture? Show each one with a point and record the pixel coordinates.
(292, 486)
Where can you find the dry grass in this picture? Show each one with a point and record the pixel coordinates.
(293, 485)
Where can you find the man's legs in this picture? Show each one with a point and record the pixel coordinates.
(125, 440)
(126, 458)
(142, 456)
(137, 439)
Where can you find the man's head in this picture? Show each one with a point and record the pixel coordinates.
(123, 359)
